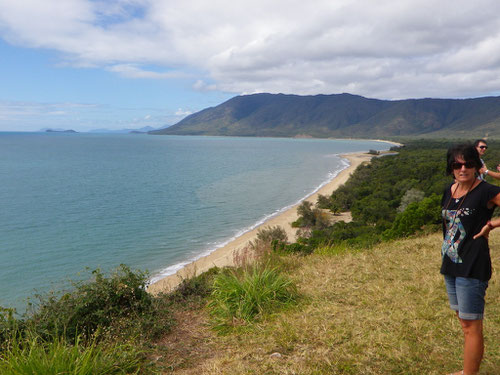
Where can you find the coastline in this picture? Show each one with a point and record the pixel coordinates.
(224, 256)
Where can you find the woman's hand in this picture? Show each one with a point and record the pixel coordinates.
(485, 232)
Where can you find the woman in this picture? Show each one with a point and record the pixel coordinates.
(468, 204)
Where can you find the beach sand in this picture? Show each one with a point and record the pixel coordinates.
(224, 256)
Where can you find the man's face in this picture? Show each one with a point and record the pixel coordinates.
(481, 148)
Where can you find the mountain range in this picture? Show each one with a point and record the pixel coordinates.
(344, 116)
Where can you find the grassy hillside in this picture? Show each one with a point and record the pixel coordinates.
(374, 311)
(377, 311)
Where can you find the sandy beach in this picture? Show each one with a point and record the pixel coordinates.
(224, 256)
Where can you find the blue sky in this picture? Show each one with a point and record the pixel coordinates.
(91, 64)
(36, 92)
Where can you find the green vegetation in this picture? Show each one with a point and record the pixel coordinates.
(34, 356)
(100, 326)
(248, 293)
(310, 217)
(195, 290)
(267, 235)
(393, 196)
(116, 304)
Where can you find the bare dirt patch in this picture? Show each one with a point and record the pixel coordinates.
(189, 344)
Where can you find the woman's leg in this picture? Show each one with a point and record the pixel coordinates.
(473, 346)
(470, 294)
(466, 297)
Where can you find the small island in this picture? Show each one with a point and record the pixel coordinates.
(60, 131)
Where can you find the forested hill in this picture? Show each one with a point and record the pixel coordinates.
(344, 115)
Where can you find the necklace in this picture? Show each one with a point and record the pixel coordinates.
(456, 201)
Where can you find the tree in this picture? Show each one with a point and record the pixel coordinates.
(416, 215)
(411, 195)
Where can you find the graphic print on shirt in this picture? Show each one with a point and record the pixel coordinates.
(455, 233)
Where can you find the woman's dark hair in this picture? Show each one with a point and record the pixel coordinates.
(465, 151)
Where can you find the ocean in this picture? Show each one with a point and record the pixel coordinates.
(71, 202)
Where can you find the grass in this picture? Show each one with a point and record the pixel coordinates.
(245, 295)
(35, 356)
(377, 311)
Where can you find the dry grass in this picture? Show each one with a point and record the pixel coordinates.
(189, 345)
(379, 311)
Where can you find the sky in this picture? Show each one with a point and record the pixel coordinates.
(127, 64)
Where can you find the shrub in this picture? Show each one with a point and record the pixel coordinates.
(412, 195)
(306, 215)
(195, 289)
(341, 199)
(329, 203)
(118, 300)
(246, 294)
(312, 218)
(260, 249)
(321, 219)
(323, 202)
(270, 234)
(292, 248)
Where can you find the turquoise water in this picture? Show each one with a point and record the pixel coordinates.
(70, 201)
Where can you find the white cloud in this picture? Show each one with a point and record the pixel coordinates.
(133, 71)
(383, 49)
(182, 113)
(201, 85)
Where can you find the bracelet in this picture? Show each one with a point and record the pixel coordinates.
(486, 172)
(490, 225)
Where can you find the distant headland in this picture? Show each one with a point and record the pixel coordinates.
(344, 116)
(60, 131)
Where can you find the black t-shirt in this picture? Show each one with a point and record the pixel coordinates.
(462, 255)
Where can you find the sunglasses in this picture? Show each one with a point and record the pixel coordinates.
(485, 147)
(457, 165)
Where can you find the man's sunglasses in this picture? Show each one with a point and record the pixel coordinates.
(485, 147)
(457, 165)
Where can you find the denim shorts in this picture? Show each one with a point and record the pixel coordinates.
(466, 296)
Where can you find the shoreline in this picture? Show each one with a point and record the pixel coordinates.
(224, 256)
